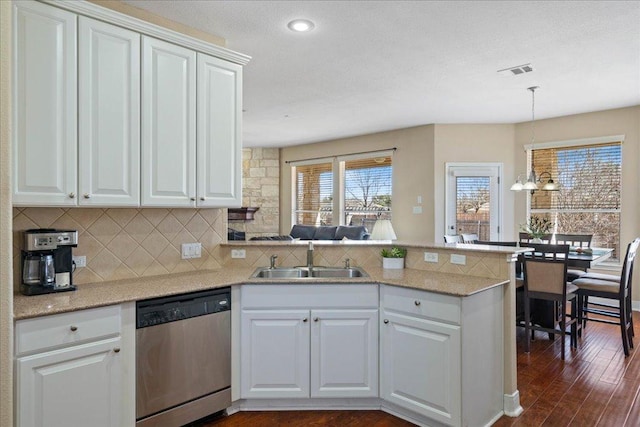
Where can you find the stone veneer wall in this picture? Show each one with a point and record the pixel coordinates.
(260, 188)
(129, 243)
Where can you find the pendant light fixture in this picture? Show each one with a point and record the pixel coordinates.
(533, 179)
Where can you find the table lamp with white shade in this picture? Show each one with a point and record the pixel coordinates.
(383, 230)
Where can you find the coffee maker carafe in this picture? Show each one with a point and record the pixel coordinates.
(47, 261)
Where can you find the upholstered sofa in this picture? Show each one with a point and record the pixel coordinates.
(329, 232)
(323, 232)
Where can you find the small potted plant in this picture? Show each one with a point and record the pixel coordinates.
(537, 227)
(393, 258)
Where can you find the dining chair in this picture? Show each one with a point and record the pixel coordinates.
(582, 241)
(452, 238)
(525, 238)
(469, 238)
(612, 288)
(545, 278)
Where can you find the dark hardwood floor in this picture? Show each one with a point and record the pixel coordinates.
(595, 386)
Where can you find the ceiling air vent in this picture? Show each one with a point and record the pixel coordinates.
(514, 71)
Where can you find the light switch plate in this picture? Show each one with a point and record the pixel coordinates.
(458, 259)
(191, 250)
(238, 253)
(417, 209)
(431, 257)
(81, 261)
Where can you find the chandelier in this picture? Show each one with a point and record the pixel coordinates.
(533, 179)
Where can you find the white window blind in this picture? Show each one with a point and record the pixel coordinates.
(314, 194)
(588, 201)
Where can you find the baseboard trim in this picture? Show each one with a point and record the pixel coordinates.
(511, 405)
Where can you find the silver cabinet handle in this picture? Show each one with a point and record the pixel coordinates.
(416, 302)
(305, 319)
(73, 328)
(315, 319)
(386, 321)
(72, 195)
(87, 196)
(116, 350)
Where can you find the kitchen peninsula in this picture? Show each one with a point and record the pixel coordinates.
(456, 298)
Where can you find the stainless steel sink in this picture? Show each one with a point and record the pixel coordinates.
(305, 272)
(280, 273)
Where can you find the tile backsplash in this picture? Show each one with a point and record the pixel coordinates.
(129, 243)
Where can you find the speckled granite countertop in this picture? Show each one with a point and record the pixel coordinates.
(116, 292)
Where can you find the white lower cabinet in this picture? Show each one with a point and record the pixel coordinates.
(76, 369)
(421, 366)
(441, 356)
(311, 341)
(75, 386)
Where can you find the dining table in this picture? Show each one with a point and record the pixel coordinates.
(586, 260)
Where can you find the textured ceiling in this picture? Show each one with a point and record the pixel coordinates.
(370, 66)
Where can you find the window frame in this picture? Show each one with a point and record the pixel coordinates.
(583, 142)
(339, 171)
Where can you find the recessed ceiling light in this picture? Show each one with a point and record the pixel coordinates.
(300, 25)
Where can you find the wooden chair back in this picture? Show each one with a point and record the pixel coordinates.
(525, 238)
(575, 240)
(469, 238)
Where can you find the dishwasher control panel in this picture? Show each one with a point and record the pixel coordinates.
(157, 311)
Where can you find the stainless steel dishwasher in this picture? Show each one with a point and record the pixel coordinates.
(183, 357)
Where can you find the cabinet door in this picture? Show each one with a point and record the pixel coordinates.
(344, 353)
(420, 366)
(109, 115)
(75, 386)
(275, 353)
(168, 124)
(45, 105)
(219, 133)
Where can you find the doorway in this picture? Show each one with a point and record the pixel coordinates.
(473, 200)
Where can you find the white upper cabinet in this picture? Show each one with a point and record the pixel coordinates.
(219, 133)
(45, 113)
(109, 115)
(96, 125)
(169, 124)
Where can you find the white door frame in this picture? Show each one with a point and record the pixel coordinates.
(490, 169)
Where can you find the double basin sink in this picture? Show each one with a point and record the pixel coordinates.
(308, 273)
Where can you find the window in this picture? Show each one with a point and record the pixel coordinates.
(314, 194)
(362, 196)
(588, 201)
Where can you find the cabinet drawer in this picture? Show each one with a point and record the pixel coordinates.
(60, 330)
(429, 305)
(309, 296)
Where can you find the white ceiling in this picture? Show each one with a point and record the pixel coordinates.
(370, 66)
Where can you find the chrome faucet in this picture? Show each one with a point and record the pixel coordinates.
(272, 261)
(310, 256)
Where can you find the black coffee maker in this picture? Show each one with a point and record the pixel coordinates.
(47, 261)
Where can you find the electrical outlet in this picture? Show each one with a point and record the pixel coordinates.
(417, 209)
(81, 261)
(431, 257)
(458, 259)
(238, 253)
(191, 250)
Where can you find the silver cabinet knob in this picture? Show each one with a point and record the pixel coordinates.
(73, 328)
(193, 199)
(116, 350)
(87, 196)
(72, 195)
(416, 302)
(386, 321)
(305, 319)
(202, 199)
(315, 319)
